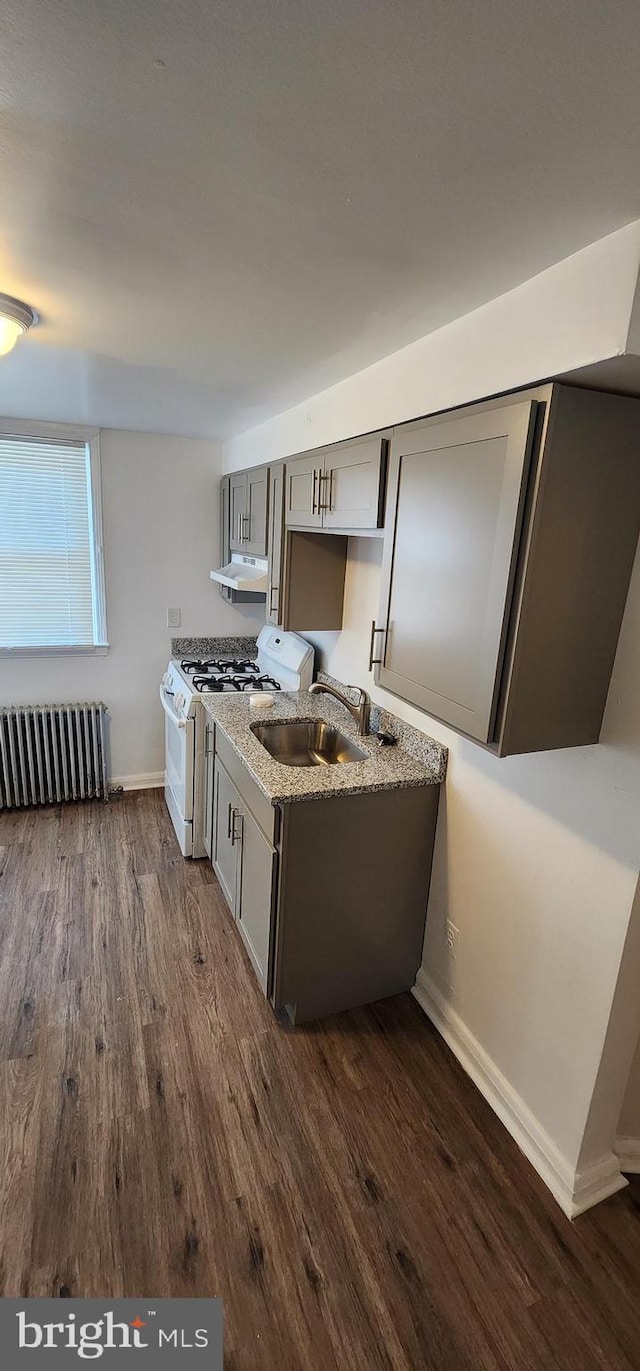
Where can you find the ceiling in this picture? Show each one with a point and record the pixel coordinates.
(219, 209)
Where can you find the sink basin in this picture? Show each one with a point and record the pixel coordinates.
(307, 742)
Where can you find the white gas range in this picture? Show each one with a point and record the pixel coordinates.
(284, 661)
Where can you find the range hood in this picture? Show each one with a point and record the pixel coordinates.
(243, 573)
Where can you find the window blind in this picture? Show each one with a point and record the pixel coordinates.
(47, 565)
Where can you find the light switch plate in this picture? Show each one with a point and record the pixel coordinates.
(174, 618)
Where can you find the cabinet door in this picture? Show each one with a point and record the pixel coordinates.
(352, 485)
(209, 768)
(275, 543)
(303, 482)
(225, 527)
(226, 803)
(456, 493)
(237, 511)
(255, 896)
(255, 524)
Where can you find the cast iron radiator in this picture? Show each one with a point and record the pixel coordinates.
(50, 753)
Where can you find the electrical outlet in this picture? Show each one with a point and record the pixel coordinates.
(174, 618)
(452, 937)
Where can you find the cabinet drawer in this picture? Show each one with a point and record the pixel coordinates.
(262, 810)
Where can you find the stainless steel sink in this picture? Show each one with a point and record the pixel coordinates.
(307, 742)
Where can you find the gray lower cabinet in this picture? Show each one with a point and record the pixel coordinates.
(512, 528)
(226, 801)
(329, 895)
(209, 778)
(243, 859)
(254, 901)
(353, 885)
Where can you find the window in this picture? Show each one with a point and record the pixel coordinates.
(51, 574)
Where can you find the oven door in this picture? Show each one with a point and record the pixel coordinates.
(179, 740)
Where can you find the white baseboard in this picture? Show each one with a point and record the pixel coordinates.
(147, 780)
(628, 1154)
(574, 1190)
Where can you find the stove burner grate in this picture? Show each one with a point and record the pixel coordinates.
(223, 665)
(217, 684)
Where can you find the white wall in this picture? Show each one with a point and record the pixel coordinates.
(160, 505)
(536, 864)
(537, 857)
(575, 313)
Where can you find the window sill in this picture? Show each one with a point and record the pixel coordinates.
(81, 650)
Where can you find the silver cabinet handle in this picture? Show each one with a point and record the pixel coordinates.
(208, 734)
(235, 837)
(324, 476)
(273, 609)
(245, 519)
(375, 661)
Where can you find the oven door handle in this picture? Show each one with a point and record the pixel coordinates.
(181, 723)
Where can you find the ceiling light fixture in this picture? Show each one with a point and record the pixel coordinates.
(16, 318)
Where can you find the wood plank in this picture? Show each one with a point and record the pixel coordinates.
(341, 1185)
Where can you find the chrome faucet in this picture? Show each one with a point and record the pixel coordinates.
(359, 712)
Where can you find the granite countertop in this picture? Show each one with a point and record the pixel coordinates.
(415, 761)
(214, 647)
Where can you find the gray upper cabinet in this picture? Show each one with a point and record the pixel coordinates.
(275, 544)
(338, 488)
(303, 490)
(512, 528)
(225, 527)
(237, 510)
(256, 524)
(353, 484)
(456, 491)
(248, 494)
(239, 496)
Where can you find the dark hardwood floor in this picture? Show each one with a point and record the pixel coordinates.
(343, 1186)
